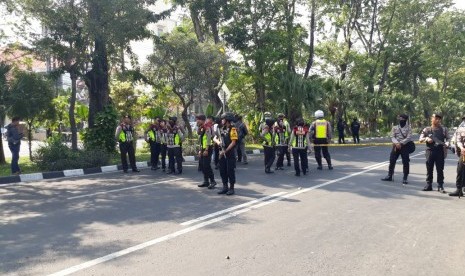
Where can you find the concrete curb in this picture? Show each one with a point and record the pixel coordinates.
(31, 177)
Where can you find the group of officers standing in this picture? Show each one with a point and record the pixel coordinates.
(437, 142)
(221, 140)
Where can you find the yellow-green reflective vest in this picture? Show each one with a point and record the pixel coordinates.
(152, 135)
(321, 128)
(268, 139)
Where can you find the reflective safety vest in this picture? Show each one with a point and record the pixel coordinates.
(203, 139)
(268, 139)
(321, 129)
(126, 134)
(153, 135)
(299, 140)
(281, 137)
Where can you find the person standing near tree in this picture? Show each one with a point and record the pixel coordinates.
(227, 140)
(174, 143)
(14, 135)
(205, 132)
(152, 137)
(435, 137)
(400, 136)
(299, 143)
(242, 132)
(355, 129)
(162, 134)
(125, 136)
(341, 125)
(267, 135)
(321, 131)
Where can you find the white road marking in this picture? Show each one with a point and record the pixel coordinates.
(173, 235)
(231, 209)
(123, 189)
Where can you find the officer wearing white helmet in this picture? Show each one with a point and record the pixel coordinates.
(320, 131)
(266, 117)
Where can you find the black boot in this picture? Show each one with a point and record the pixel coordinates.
(457, 192)
(387, 178)
(224, 190)
(230, 192)
(212, 184)
(204, 184)
(441, 188)
(428, 187)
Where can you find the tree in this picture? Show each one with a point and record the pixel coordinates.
(4, 69)
(188, 67)
(30, 97)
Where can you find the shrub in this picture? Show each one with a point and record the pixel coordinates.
(56, 156)
(102, 135)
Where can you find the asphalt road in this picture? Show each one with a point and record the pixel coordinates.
(340, 222)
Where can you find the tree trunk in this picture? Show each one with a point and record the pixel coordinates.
(97, 80)
(72, 117)
(29, 138)
(311, 48)
(197, 25)
(2, 152)
(186, 121)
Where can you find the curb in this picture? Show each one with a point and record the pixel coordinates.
(4, 180)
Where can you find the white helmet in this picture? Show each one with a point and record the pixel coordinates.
(319, 114)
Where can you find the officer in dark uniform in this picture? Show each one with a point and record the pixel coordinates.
(174, 144)
(162, 134)
(435, 138)
(125, 136)
(151, 136)
(459, 138)
(321, 131)
(227, 140)
(267, 135)
(205, 132)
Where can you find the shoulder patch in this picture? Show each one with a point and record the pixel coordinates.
(233, 133)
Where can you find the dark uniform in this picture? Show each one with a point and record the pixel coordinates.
(163, 137)
(174, 138)
(268, 146)
(459, 138)
(152, 137)
(125, 136)
(400, 136)
(205, 133)
(299, 143)
(321, 134)
(355, 129)
(341, 125)
(281, 136)
(227, 140)
(435, 138)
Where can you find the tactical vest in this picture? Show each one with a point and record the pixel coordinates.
(227, 136)
(281, 136)
(300, 140)
(203, 137)
(126, 134)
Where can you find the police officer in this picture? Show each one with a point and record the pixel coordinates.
(125, 136)
(400, 136)
(151, 136)
(227, 140)
(174, 137)
(267, 135)
(355, 129)
(205, 131)
(163, 137)
(266, 117)
(299, 143)
(460, 144)
(321, 131)
(341, 125)
(281, 116)
(216, 148)
(281, 136)
(435, 138)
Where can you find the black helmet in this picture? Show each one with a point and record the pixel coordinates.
(174, 119)
(228, 117)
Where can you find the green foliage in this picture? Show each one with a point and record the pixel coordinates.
(56, 156)
(102, 135)
(155, 112)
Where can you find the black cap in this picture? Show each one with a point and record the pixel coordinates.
(174, 119)
(201, 117)
(437, 115)
(228, 116)
(127, 116)
(403, 116)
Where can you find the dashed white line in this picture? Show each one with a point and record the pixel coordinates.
(124, 189)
